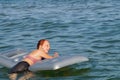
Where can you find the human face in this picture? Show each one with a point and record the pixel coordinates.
(46, 46)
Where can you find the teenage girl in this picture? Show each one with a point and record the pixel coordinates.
(38, 54)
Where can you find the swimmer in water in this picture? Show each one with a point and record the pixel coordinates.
(38, 54)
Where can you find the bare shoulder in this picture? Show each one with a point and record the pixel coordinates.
(38, 51)
(34, 51)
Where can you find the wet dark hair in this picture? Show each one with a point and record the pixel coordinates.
(40, 42)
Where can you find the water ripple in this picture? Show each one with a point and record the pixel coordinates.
(86, 27)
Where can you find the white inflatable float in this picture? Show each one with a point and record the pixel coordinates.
(11, 58)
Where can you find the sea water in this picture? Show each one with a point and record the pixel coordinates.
(90, 28)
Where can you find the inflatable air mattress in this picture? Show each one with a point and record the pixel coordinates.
(11, 58)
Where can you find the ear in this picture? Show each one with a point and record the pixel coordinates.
(40, 46)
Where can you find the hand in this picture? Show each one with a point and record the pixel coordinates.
(56, 54)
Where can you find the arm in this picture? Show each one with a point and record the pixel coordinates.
(47, 56)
